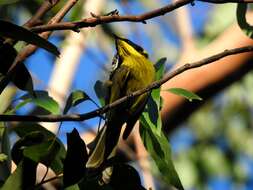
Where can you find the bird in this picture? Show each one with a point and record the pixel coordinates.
(131, 71)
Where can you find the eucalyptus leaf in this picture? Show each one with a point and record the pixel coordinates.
(30, 139)
(25, 128)
(101, 91)
(76, 158)
(22, 78)
(184, 93)
(74, 99)
(41, 99)
(152, 136)
(151, 113)
(160, 67)
(159, 149)
(24, 177)
(44, 153)
(14, 182)
(19, 33)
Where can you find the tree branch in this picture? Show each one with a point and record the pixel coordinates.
(156, 84)
(227, 1)
(97, 20)
(44, 8)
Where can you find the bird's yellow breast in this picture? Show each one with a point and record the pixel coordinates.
(142, 72)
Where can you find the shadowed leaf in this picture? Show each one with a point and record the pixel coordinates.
(74, 99)
(101, 91)
(76, 158)
(159, 149)
(41, 99)
(125, 177)
(159, 67)
(22, 78)
(7, 57)
(44, 152)
(152, 135)
(241, 19)
(57, 155)
(19, 33)
(24, 177)
(184, 93)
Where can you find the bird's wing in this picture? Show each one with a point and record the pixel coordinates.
(116, 117)
(119, 80)
(107, 138)
(138, 106)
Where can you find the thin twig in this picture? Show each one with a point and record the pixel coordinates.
(97, 20)
(156, 84)
(94, 21)
(48, 180)
(226, 1)
(44, 8)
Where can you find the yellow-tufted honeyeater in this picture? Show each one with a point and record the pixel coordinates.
(132, 70)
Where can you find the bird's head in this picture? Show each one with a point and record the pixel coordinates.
(126, 47)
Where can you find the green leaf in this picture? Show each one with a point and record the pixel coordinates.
(152, 136)
(22, 78)
(72, 187)
(25, 128)
(74, 99)
(241, 19)
(19, 33)
(41, 99)
(24, 177)
(29, 139)
(43, 153)
(5, 165)
(184, 93)
(151, 113)
(160, 68)
(101, 91)
(5, 2)
(15, 180)
(18, 106)
(159, 149)
(3, 157)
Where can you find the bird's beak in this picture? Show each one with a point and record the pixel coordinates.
(116, 38)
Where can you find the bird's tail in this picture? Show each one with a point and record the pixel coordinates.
(104, 149)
